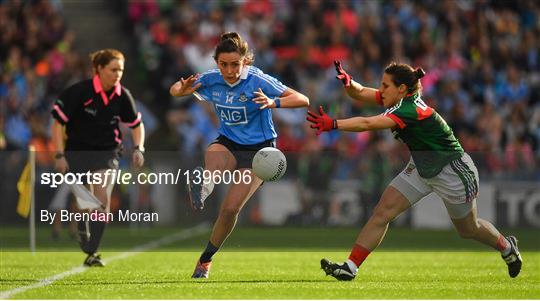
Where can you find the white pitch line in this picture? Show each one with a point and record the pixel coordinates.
(185, 234)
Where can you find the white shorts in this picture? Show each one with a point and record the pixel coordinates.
(456, 185)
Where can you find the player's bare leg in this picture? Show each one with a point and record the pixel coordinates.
(217, 158)
(236, 198)
(392, 204)
(471, 227)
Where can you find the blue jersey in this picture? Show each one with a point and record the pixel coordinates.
(240, 118)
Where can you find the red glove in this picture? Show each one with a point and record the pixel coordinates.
(342, 74)
(322, 122)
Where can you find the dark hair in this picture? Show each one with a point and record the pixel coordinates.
(104, 56)
(407, 75)
(233, 42)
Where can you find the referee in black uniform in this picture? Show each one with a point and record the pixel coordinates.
(90, 111)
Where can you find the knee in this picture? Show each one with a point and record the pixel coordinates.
(382, 215)
(230, 211)
(467, 233)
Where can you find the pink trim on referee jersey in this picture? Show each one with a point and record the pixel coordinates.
(117, 90)
(60, 113)
(97, 84)
(117, 136)
(98, 88)
(378, 97)
(88, 102)
(136, 121)
(398, 120)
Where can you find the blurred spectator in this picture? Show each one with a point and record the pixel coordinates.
(513, 89)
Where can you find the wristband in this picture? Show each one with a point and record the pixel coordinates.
(277, 101)
(334, 124)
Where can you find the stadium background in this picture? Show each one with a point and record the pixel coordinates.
(483, 75)
(482, 60)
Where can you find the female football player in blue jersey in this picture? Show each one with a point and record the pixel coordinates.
(242, 96)
(438, 164)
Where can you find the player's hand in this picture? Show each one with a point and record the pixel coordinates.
(321, 122)
(342, 75)
(61, 165)
(263, 100)
(185, 87)
(137, 158)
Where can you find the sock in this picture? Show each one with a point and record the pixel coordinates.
(358, 255)
(352, 266)
(96, 232)
(208, 253)
(503, 245)
(83, 230)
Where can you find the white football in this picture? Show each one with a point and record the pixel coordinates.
(269, 164)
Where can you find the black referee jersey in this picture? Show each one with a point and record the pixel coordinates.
(91, 115)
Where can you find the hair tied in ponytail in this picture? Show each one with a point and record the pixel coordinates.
(230, 36)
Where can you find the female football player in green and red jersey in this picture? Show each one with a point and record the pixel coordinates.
(438, 164)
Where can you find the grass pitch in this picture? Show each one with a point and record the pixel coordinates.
(272, 263)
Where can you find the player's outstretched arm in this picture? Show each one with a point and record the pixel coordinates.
(288, 99)
(324, 123)
(185, 87)
(293, 99)
(354, 89)
(360, 124)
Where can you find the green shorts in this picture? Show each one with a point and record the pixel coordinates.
(456, 185)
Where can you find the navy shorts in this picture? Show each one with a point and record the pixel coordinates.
(243, 153)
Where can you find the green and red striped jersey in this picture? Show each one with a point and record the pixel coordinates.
(427, 135)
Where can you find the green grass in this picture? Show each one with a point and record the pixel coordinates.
(266, 239)
(257, 264)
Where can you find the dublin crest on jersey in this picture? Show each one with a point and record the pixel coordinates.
(243, 97)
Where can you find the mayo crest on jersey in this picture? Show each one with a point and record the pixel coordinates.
(430, 140)
(240, 118)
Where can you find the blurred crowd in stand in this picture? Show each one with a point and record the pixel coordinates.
(482, 60)
(37, 62)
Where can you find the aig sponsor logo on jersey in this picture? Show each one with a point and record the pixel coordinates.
(232, 115)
